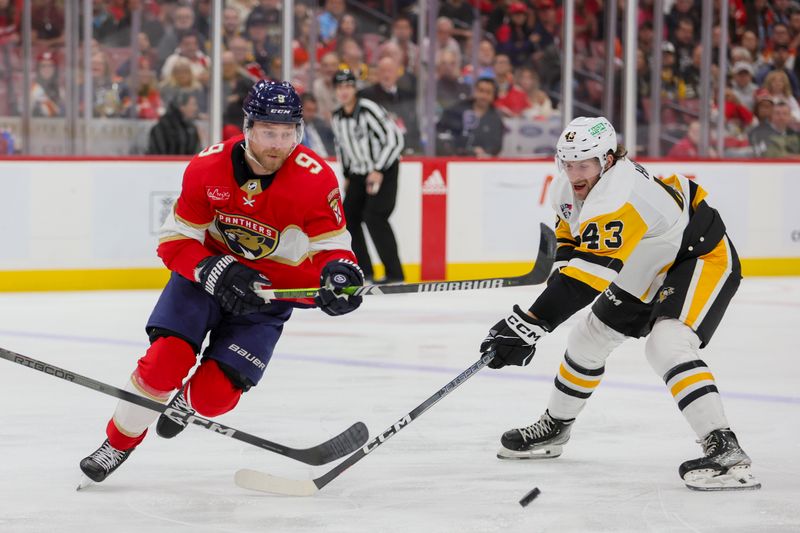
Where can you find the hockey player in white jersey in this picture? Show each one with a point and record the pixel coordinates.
(663, 266)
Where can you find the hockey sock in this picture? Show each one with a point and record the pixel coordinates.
(210, 392)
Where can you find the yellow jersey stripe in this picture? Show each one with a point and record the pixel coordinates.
(711, 275)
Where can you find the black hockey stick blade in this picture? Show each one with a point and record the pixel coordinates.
(339, 446)
(537, 275)
(264, 482)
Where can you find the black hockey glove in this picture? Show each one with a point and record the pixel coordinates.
(232, 284)
(336, 275)
(513, 339)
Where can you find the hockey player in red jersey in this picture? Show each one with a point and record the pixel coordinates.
(254, 211)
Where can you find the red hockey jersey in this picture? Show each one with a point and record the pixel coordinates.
(287, 225)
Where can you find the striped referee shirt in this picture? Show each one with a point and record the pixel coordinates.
(366, 140)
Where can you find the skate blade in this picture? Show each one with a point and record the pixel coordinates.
(84, 482)
(550, 452)
(736, 478)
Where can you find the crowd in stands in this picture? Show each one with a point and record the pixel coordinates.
(514, 76)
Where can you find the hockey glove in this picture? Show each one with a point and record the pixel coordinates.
(232, 284)
(336, 275)
(513, 339)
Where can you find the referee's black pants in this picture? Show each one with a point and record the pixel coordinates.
(374, 211)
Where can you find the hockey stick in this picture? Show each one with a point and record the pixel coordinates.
(330, 450)
(539, 274)
(261, 481)
(264, 482)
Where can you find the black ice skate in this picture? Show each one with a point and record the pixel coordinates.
(100, 464)
(175, 417)
(541, 440)
(725, 466)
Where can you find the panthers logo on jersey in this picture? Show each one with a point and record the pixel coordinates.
(246, 237)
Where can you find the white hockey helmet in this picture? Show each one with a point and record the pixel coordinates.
(585, 138)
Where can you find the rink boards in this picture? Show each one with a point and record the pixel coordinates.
(92, 224)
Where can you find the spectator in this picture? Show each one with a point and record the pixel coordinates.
(107, 101)
(444, 37)
(262, 49)
(511, 101)
(546, 28)
(352, 59)
(182, 22)
(514, 38)
(738, 116)
(644, 38)
(322, 87)
(9, 22)
(407, 80)
(47, 95)
(763, 106)
(317, 135)
(779, 57)
(794, 28)
(112, 25)
(672, 85)
(740, 53)
(235, 85)
(243, 53)
(751, 43)
(399, 103)
(486, 53)
(776, 138)
(541, 107)
(742, 83)
(473, 127)
(266, 14)
(328, 20)
(461, 13)
(777, 85)
(759, 18)
(140, 97)
(689, 146)
(402, 33)
(691, 73)
(145, 50)
(47, 23)
(189, 49)
(682, 10)
(450, 90)
(181, 80)
(202, 20)
(780, 36)
(781, 10)
(231, 25)
(348, 29)
(685, 44)
(175, 133)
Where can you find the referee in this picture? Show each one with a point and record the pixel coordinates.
(368, 145)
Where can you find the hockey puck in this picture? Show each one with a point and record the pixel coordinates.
(528, 498)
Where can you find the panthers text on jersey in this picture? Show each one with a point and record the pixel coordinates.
(287, 225)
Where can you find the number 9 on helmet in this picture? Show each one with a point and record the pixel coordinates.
(275, 102)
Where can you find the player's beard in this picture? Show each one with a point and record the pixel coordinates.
(271, 160)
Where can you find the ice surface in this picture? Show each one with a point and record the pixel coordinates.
(439, 474)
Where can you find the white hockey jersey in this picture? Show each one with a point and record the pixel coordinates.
(628, 230)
